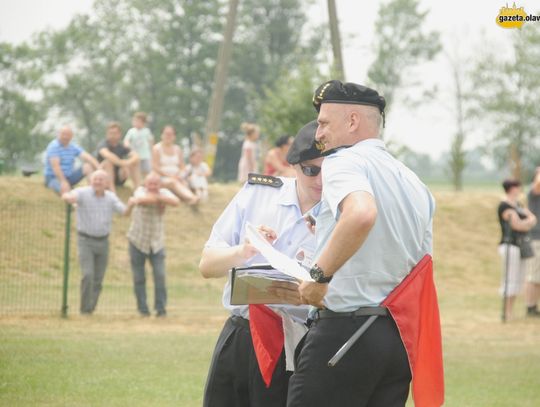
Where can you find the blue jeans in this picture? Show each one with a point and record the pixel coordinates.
(54, 183)
(157, 260)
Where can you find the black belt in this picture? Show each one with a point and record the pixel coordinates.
(92, 237)
(360, 312)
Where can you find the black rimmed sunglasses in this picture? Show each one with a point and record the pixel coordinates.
(310, 170)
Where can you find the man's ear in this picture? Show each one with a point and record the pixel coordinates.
(354, 121)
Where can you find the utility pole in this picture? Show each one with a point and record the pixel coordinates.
(215, 108)
(335, 38)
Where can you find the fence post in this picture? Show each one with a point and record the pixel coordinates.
(66, 261)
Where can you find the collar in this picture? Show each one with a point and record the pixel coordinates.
(288, 195)
(371, 142)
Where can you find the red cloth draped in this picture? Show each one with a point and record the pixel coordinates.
(268, 338)
(413, 305)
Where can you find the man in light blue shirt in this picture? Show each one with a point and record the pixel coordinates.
(281, 205)
(374, 225)
(60, 171)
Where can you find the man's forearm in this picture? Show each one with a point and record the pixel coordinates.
(55, 165)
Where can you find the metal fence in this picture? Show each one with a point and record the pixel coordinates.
(33, 237)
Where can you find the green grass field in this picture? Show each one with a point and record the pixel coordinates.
(115, 358)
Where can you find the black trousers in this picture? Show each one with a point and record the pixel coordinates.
(234, 379)
(373, 373)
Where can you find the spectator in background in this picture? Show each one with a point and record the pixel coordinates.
(60, 171)
(248, 158)
(515, 222)
(275, 162)
(140, 139)
(168, 161)
(197, 172)
(147, 241)
(532, 288)
(119, 161)
(95, 209)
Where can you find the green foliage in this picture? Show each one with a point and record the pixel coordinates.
(287, 107)
(400, 44)
(456, 162)
(507, 94)
(20, 137)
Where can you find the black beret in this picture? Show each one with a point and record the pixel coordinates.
(304, 146)
(348, 93)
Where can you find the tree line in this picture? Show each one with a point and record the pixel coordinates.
(160, 56)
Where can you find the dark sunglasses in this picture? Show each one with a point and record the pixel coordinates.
(310, 170)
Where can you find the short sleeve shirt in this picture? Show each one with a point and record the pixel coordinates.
(120, 150)
(400, 237)
(66, 154)
(273, 207)
(140, 141)
(95, 213)
(146, 231)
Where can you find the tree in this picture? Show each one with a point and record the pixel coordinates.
(507, 97)
(20, 135)
(400, 45)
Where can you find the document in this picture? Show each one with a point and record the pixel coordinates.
(249, 285)
(278, 260)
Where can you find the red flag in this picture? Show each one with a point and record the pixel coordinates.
(413, 305)
(267, 334)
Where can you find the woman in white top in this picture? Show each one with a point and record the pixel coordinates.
(248, 159)
(168, 161)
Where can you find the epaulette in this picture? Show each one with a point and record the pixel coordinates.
(333, 150)
(259, 179)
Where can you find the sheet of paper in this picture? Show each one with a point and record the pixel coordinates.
(278, 260)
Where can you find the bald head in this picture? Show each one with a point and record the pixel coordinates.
(346, 124)
(65, 135)
(99, 181)
(152, 182)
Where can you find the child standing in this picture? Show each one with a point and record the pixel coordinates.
(140, 139)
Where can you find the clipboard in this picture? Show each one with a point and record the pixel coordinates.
(249, 284)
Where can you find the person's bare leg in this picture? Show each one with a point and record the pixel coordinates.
(509, 307)
(135, 174)
(184, 193)
(108, 167)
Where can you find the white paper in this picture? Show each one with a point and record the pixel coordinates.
(278, 260)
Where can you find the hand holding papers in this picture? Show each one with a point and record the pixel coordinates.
(262, 284)
(278, 260)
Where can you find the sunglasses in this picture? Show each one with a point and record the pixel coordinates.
(310, 170)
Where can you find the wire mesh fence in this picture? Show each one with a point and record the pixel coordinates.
(32, 243)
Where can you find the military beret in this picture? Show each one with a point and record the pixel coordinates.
(304, 146)
(348, 93)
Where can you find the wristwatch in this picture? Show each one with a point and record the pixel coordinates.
(317, 274)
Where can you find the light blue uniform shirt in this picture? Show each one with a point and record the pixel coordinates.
(400, 237)
(277, 208)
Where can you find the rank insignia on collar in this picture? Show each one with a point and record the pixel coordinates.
(259, 179)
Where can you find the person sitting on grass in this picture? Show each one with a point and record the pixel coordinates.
(119, 161)
(60, 171)
(197, 172)
(168, 161)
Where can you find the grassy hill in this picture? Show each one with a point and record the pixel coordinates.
(116, 358)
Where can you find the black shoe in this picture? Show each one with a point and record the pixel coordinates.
(144, 313)
(161, 314)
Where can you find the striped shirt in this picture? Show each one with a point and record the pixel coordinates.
(95, 213)
(66, 154)
(146, 229)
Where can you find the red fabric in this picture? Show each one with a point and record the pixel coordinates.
(267, 334)
(413, 305)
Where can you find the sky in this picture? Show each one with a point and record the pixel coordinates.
(466, 27)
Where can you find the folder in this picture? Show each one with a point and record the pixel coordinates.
(249, 285)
